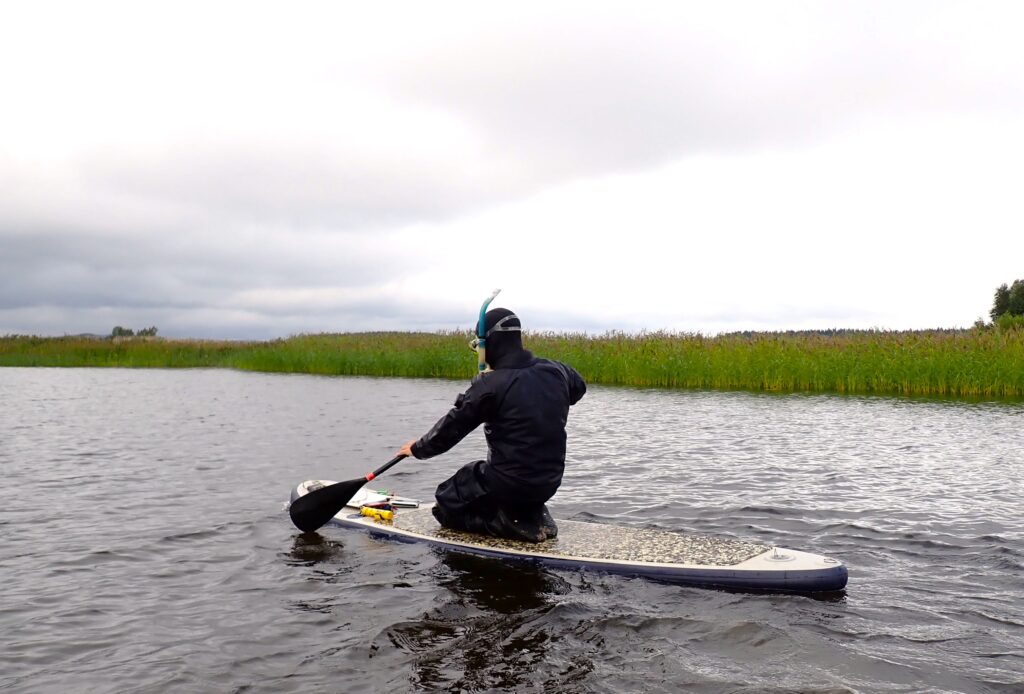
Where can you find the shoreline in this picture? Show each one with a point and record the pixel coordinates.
(970, 364)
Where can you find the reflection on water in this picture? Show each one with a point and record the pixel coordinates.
(497, 585)
(313, 548)
(490, 630)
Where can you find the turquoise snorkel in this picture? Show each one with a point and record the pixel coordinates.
(481, 339)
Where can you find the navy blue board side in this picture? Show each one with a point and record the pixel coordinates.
(826, 575)
(820, 580)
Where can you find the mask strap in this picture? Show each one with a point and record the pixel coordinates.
(499, 327)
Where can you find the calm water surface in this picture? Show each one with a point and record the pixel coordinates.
(146, 546)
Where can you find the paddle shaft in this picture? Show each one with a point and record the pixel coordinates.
(384, 468)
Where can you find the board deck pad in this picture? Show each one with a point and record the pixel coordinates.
(596, 541)
(665, 555)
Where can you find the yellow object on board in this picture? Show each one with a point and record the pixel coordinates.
(378, 514)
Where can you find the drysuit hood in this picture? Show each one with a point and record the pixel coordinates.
(503, 333)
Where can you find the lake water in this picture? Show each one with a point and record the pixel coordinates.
(146, 546)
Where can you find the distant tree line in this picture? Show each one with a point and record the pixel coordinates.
(1009, 300)
(119, 331)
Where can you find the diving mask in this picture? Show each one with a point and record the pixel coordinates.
(499, 327)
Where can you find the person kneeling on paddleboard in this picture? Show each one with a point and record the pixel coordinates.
(523, 401)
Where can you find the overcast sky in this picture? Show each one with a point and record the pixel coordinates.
(255, 170)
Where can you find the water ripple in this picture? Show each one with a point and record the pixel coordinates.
(146, 547)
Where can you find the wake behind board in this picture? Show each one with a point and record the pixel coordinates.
(674, 557)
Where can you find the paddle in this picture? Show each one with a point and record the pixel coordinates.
(312, 510)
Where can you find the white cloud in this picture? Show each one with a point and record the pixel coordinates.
(894, 227)
(246, 169)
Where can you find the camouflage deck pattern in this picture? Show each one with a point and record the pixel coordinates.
(578, 540)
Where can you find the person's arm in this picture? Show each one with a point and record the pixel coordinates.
(577, 386)
(471, 409)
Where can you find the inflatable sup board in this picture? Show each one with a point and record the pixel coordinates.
(664, 555)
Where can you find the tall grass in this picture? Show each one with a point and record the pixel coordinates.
(944, 363)
(959, 363)
(21, 350)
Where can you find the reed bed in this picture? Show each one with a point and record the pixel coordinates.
(977, 363)
(135, 352)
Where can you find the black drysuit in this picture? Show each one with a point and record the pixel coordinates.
(524, 403)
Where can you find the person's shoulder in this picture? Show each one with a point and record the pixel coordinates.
(487, 379)
(553, 364)
(542, 361)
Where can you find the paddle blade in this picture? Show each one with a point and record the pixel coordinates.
(312, 510)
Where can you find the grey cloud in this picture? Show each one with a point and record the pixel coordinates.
(590, 97)
(576, 93)
(220, 318)
(160, 233)
(169, 275)
(257, 183)
(575, 96)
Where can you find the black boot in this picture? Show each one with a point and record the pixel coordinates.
(512, 524)
(547, 524)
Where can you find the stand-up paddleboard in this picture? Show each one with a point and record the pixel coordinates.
(660, 554)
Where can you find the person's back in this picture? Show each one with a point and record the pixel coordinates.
(524, 403)
(526, 437)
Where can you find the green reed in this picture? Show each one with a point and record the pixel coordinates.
(18, 350)
(982, 362)
(945, 363)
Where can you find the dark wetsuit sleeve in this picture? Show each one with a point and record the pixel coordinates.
(471, 409)
(577, 386)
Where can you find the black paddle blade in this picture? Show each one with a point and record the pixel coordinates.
(311, 511)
